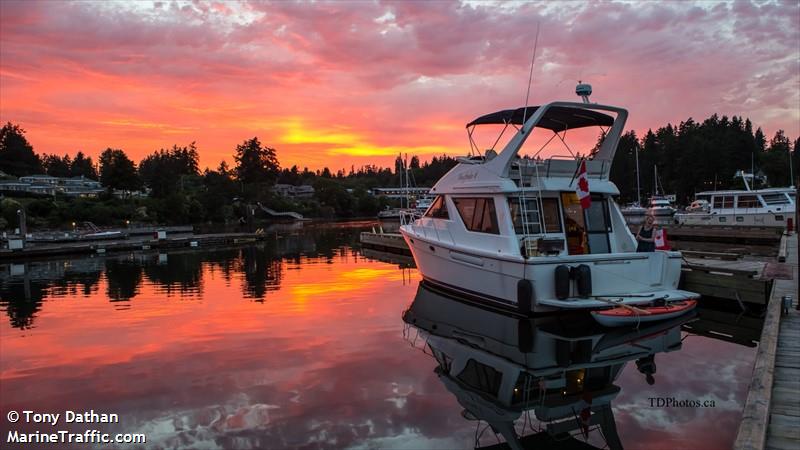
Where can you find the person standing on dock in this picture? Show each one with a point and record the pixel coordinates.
(646, 235)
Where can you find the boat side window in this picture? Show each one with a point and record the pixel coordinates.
(747, 201)
(775, 199)
(478, 214)
(481, 377)
(550, 215)
(727, 201)
(721, 201)
(438, 210)
(529, 214)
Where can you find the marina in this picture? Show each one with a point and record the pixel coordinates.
(399, 225)
(261, 297)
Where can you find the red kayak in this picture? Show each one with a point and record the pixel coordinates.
(632, 315)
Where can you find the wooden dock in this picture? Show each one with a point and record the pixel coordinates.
(745, 281)
(385, 242)
(771, 416)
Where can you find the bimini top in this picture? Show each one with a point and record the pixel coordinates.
(557, 118)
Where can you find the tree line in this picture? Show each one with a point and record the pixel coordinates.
(691, 157)
(179, 192)
(702, 156)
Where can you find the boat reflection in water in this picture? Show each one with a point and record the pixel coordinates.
(544, 382)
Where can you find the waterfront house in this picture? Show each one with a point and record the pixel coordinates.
(296, 192)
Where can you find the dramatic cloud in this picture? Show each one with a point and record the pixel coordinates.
(341, 83)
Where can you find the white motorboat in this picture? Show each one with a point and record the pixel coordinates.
(771, 207)
(512, 230)
(634, 213)
(661, 206)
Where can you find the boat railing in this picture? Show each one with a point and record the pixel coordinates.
(525, 171)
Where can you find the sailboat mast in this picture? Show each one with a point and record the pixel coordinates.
(655, 181)
(638, 188)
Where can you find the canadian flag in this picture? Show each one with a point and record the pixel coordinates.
(582, 189)
(660, 240)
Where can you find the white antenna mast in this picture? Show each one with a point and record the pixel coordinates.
(530, 76)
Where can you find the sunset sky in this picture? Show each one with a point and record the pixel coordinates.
(350, 83)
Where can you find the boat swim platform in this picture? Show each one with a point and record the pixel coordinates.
(771, 416)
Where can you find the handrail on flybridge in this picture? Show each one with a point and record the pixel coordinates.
(501, 164)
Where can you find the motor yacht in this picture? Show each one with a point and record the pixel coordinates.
(770, 207)
(510, 228)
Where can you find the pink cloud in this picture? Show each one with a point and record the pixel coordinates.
(396, 74)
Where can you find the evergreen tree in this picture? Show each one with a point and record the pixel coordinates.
(57, 166)
(117, 171)
(16, 154)
(165, 171)
(83, 165)
(256, 163)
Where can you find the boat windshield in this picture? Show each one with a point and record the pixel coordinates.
(775, 199)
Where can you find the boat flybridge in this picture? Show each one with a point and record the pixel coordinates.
(510, 229)
(770, 207)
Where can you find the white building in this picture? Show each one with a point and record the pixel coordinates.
(290, 191)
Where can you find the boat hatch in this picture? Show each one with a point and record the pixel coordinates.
(586, 230)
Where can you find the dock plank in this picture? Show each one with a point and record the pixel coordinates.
(771, 416)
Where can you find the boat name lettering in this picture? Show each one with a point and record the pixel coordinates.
(468, 176)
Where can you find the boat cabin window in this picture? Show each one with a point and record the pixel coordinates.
(723, 201)
(481, 377)
(478, 214)
(703, 197)
(541, 215)
(438, 209)
(748, 201)
(525, 215)
(775, 199)
(550, 215)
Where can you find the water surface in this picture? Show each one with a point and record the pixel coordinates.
(294, 343)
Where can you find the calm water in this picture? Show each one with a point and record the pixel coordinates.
(297, 343)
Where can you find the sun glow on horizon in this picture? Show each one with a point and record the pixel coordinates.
(340, 84)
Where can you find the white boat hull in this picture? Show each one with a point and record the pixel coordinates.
(777, 220)
(626, 278)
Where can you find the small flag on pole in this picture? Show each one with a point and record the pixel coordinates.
(582, 189)
(660, 240)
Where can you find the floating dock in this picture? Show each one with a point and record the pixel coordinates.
(129, 244)
(771, 416)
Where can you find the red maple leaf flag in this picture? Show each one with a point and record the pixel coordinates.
(582, 189)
